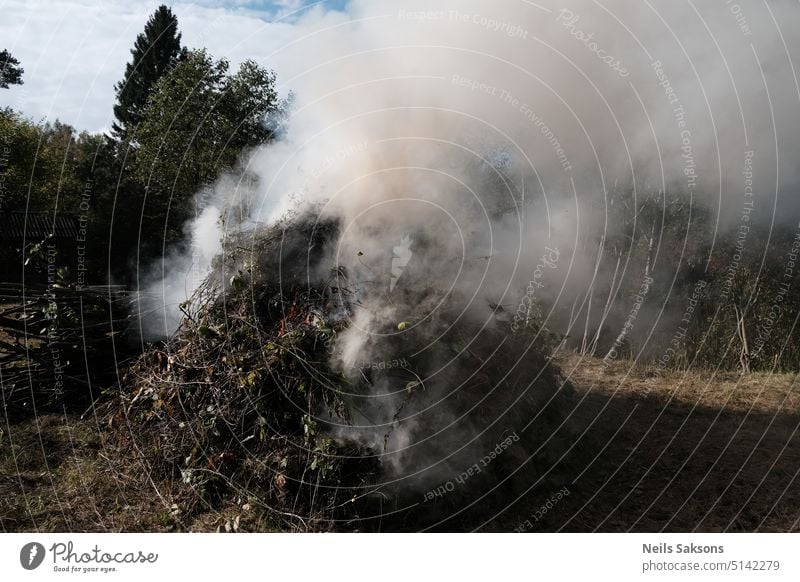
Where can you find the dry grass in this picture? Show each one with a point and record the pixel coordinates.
(55, 476)
(759, 391)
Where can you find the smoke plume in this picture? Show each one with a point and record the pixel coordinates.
(466, 147)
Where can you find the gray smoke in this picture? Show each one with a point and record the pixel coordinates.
(460, 142)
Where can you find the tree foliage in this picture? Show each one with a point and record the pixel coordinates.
(155, 51)
(10, 71)
(198, 122)
(46, 163)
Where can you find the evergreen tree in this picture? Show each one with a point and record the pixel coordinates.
(10, 71)
(156, 50)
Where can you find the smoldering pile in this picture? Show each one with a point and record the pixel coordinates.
(252, 400)
(230, 406)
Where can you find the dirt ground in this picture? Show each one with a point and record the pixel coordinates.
(675, 452)
(639, 451)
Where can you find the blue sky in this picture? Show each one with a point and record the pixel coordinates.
(269, 8)
(271, 5)
(74, 51)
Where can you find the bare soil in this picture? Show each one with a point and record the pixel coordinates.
(695, 451)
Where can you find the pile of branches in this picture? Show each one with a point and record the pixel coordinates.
(246, 406)
(61, 344)
(230, 407)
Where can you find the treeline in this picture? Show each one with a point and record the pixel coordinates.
(674, 290)
(181, 119)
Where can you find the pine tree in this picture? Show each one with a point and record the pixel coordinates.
(156, 50)
(10, 71)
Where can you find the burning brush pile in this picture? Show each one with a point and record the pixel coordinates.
(326, 396)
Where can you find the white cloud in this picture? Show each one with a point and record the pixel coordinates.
(74, 51)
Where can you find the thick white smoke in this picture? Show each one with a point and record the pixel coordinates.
(479, 137)
(403, 100)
